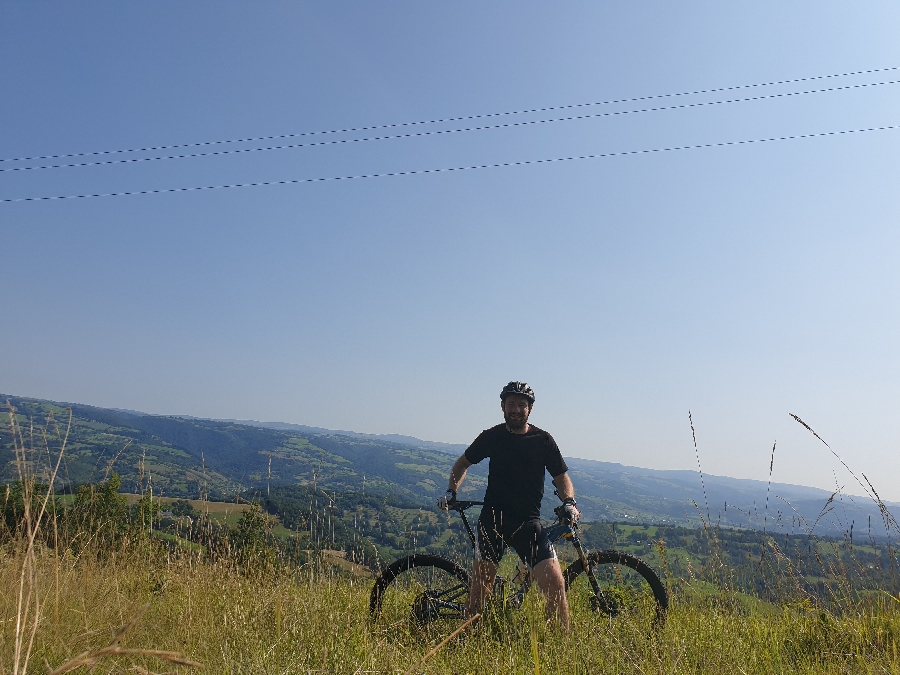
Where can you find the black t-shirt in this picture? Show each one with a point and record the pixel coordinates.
(516, 473)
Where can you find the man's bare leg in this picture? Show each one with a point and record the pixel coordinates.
(549, 579)
(481, 586)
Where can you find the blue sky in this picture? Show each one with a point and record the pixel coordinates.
(740, 283)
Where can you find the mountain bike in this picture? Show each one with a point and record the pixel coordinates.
(426, 588)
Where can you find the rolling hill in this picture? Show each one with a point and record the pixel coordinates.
(189, 457)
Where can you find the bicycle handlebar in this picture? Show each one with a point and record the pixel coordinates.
(461, 505)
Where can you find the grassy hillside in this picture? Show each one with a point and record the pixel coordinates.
(99, 580)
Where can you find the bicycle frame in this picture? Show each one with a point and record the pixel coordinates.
(554, 533)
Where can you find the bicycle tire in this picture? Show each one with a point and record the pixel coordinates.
(398, 568)
(597, 558)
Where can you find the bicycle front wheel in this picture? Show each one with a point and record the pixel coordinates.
(628, 586)
(420, 589)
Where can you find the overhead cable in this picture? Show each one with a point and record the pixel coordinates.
(458, 168)
(450, 131)
(455, 119)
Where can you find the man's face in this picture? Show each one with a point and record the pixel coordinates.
(516, 410)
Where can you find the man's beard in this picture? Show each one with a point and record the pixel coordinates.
(515, 421)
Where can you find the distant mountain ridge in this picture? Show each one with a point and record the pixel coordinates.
(186, 457)
(451, 448)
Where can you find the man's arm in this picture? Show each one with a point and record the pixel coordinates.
(564, 487)
(458, 473)
(566, 492)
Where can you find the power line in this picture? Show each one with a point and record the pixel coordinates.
(455, 119)
(453, 131)
(458, 168)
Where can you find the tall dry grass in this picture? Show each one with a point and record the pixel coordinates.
(296, 623)
(25, 554)
(29, 594)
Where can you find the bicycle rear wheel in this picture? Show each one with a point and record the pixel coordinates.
(421, 589)
(628, 585)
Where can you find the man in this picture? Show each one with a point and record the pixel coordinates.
(519, 454)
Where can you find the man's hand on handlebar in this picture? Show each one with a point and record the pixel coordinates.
(568, 512)
(446, 500)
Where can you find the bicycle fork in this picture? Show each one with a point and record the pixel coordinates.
(599, 601)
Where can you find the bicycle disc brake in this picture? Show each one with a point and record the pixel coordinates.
(426, 607)
(603, 603)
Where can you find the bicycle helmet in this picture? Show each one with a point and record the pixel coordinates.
(520, 388)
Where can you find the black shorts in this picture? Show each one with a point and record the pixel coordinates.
(527, 538)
